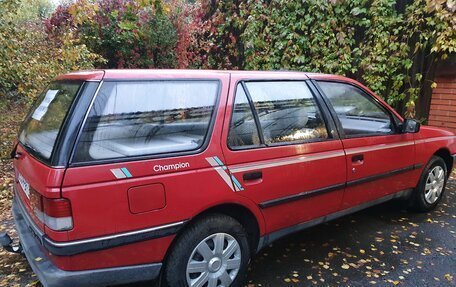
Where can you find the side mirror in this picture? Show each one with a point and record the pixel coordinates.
(410, 126)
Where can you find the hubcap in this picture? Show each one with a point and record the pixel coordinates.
(214, 262)
(434, 184)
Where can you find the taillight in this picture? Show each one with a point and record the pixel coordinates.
(55, 213)
(36, 204)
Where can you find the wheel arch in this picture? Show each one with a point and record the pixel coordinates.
(243, 215)
(445, 154)
(239, 212)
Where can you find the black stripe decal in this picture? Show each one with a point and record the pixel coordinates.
(301, 195)
(315, 192)
(380, 176)
(67, 249)
(418, 166)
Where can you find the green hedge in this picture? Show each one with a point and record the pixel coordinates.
(391, 46)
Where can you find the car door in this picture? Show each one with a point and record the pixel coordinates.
(282, 151)
(380, 159)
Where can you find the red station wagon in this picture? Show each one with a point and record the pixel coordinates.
(179, 175)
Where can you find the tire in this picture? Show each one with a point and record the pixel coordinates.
(191, 248)
(426, 200)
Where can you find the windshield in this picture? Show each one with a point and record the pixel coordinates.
(41, 127)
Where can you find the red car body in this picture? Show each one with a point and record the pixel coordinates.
(123, 228)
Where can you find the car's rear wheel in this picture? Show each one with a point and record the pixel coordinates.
(431, 185)
(212, 252)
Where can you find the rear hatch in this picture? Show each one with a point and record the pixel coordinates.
(38, 182)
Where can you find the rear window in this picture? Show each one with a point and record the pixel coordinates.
(147, 118)
(41, 127)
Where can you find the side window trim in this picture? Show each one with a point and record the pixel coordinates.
(330, 125)
(330, 122)
(254, 112)
(366, 94)
(331, 110)
(241, 85)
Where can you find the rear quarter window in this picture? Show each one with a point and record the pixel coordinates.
(143, 118)
(41, 127)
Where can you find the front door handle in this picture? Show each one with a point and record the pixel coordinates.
(252, 175)
(358, 158)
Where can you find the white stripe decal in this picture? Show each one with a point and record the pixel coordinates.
(435, 139)
(350, 151)
(221, 172)
(325, 155)
(118, 173)
(282, 162)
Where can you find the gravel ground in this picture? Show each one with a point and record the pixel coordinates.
(380, 246)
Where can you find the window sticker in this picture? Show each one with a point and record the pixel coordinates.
(43, 107)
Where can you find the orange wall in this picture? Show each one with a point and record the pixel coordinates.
(443, 103)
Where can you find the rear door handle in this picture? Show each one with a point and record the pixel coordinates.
(252, 175)
(359, 158)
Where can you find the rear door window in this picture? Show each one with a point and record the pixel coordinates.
(141, 118)
(287, 113)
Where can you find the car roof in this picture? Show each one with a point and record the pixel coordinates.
(97, 75)
(138, 74)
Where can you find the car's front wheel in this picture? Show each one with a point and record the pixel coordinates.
(431, 185)
(212, 252)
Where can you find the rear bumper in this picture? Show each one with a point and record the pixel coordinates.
(51, 276)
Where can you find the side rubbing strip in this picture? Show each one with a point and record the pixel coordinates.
(110, 241)
(301, 195)
(271, 237)
(381, 175)
(316, 192)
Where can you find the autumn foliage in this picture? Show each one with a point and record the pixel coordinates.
(27, 59)
(390, 45)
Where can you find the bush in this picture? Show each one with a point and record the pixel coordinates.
(28, 61)
(391, 46)
(128, 34)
